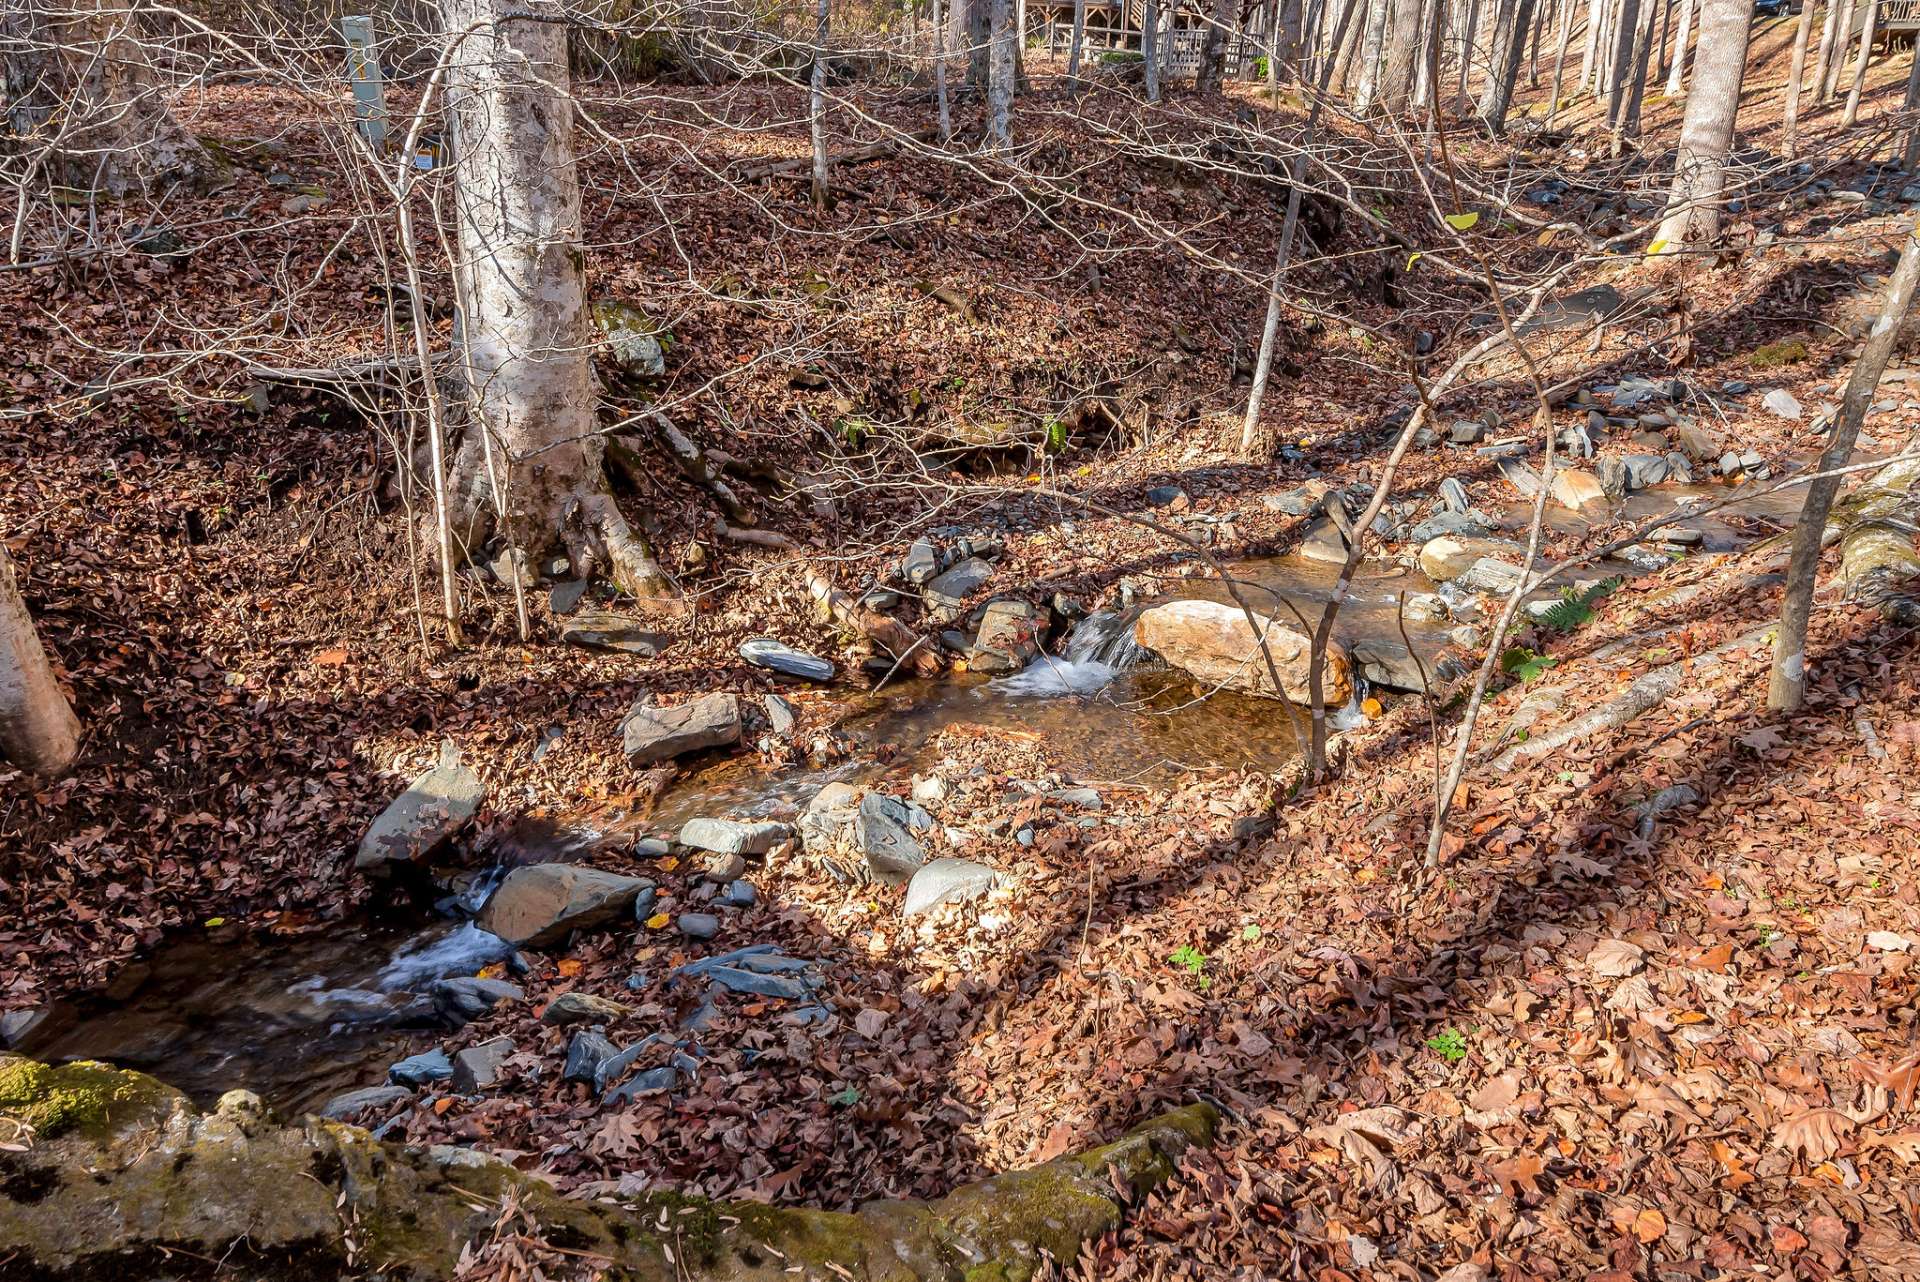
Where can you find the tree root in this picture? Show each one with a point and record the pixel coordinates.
(123, 1167)
(888, 632)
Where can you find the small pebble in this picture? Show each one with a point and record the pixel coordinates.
(698, 925)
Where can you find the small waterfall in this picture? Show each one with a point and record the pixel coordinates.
(458, 952)
(1100, 649)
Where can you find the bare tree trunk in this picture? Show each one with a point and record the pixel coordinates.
(527, 340)
(1622, 64)
(1150, 47)
(1560, 59)
(1706, 134)
(1346, 53)
(1860, 67)
(1403, 47)
(80, 90)
(1677, 71)
(817, 103)
(1829, 30)
(1590, 46)
(1005, 71)
(1910, 156)
(1079, 40)
(1842, 39)
(1213, 49)
(1878, 565)
(1426, 85)
(1787, 688)
(1468, 33)
(1372, 43)
(1794, 76)
(1637, 84)
(1510, 36)
(979, 22)
(940, 97)
(38, 731)
(1533, 57)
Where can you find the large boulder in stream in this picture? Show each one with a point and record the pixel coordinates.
(123, 1172)
(541, 904)
(1216, 644)
(653, 734)
(421, 821)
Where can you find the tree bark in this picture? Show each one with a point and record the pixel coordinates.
(1590, 45)
(1878, 565)
(84, 101)
(1403, 47)
(940, 97)
(1842, 38)
(1510, 38)
(1794, 77)
(1636, 84)
(1910, 156)
(1622, 62)
(1213, 49)
(1079, 39)
(1828, 30)
(1860, 67)
(1787, 688)
(1706, 134)
(979, 24)
(1560, 61)
(38, 731)
(1372, 44)
(817, 102)
(1005, 71)
(527, 339)
(1468, 31)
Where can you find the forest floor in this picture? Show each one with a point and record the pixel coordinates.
(1591, 1045)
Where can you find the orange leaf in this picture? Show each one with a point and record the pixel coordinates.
(329, 658)
(658, 920)
(441, 1105)
(1716, 958)
(1649, 1226)
(570, 967)
(493, 971)
(1520, 1173)
(669, 863)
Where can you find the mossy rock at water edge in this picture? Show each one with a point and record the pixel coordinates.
(108, 1172)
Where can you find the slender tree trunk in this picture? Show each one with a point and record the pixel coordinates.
(1533, 56)
(1150, 47)
(80, 90)
(1788, 145)
(1910, 157)
(817, 103)
(1005, 72)
(1213, 49)
(1659, 71)
(1622, 64)
(527, 340)
(1788, 687)
(1706, 134)
(1677, 71)
(1371, 47)
(1346, 53)
(1860, 67)
(1637, 84)
(1433, 19)
(940, 97)
(1590, 46)
(1829, 32)
(1560, 60)
(1842, 41)
(1402, 49)
(38, 731)
(979, 43)
(1509, 38)
(1296, 172)
(1079, 39)
(1468, 33)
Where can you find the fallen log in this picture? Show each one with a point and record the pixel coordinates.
(104, 1172)
(888, 632)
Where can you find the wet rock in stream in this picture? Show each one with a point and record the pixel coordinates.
(540, 904)
(650, 734)
(1215, 644)
(468, 997)
(421, 821)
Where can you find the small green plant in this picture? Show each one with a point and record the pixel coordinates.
(1260, 67)
(1449, 1044)
(1767, 935)
(1249, 933)
(845, 1099)
(1120, 57)
(1520, 661)
(853, 431)
(1194, 962)
(1574, 609)
(1056, 435)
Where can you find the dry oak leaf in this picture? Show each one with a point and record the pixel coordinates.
(1616, 958)
(1902, 1079)
(1815, 1134)
(1367, 1138)
(1519, 1173)
(1904, 1145)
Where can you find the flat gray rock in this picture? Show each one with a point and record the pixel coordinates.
(421, 821)
(582, 1008)
(882, 830)
(651, 734)
(732, 837)
(778, 656)
(419, 1070)
(595, 630)
(781, 718)
(468, 997)
(587, 1057)
(698, 925)
(478, 1068)
(951, 590)
(921, 563)
(947, 881)
(341, 1107)
(540, 904)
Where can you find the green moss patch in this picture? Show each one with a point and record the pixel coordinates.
(1788, 351)
(86, 1096)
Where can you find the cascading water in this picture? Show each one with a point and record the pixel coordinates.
(1099, 650)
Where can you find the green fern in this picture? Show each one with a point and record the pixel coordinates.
(1574, 609)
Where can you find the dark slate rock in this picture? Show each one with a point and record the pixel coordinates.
(565, 596)
(654, 1079)
(698, 925)
(921, 563)
(466, 997)
(341, 1107)
(780, 715)
(422, 820)
(418, 1070)
(587, 1056)
(777, 656)
(746, 981)
(477, 1068)
(740, 894)
(1171, 497)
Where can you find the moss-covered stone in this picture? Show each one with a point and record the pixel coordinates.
(1788, 351)
(131, 1170)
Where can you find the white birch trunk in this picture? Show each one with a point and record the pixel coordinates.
(527, 340)
(1590, 45)
(1706, 134)
(817, 102)
(1828, 30)
(38, 731)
